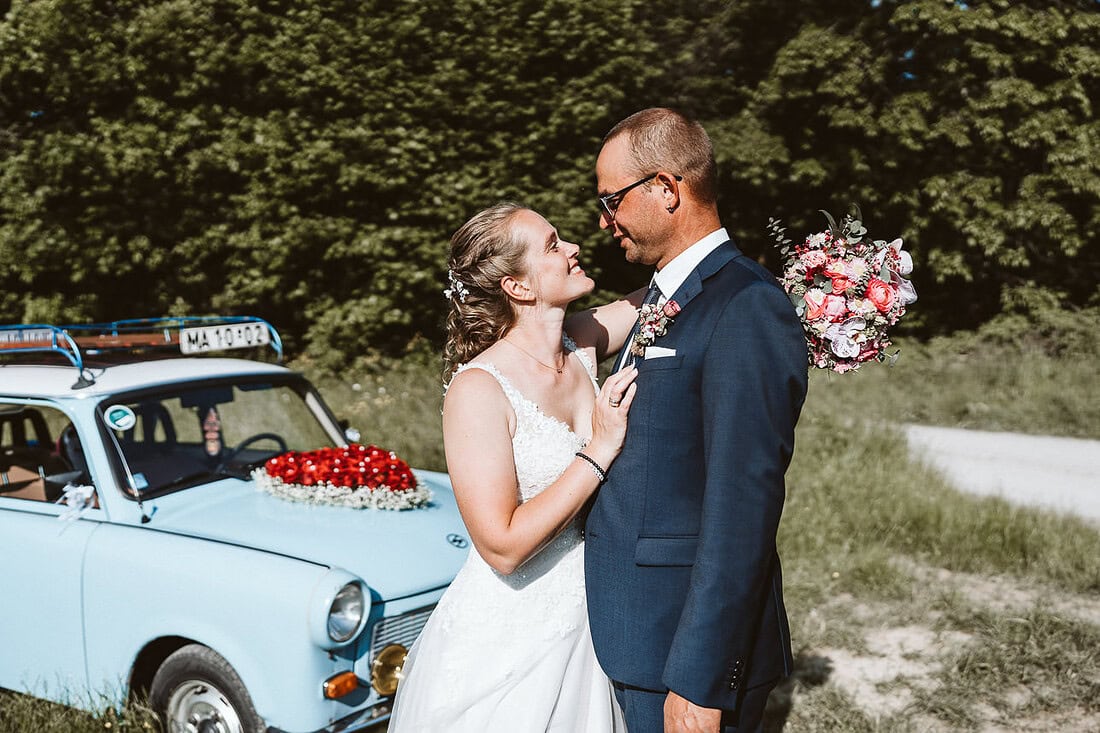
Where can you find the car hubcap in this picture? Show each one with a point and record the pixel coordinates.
(199, 707)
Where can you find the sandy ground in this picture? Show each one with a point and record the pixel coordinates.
(1061, 474)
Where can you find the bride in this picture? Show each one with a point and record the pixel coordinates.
(528, 436)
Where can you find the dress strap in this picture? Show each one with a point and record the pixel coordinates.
(571, 345)
(515, 397)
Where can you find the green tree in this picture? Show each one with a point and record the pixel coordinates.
(969, 130)
(308, 161)
(303, 161)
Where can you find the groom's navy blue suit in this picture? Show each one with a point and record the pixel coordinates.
(684, 586)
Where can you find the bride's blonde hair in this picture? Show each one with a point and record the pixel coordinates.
(484, 249)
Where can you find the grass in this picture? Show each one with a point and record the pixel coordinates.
(970, 383)
(397, 407)
(860, 517)
(1055, 658)
(22, 714)
(857, 505)
(1015, 373)
(873, 545)
(855, 491)
(859, 514)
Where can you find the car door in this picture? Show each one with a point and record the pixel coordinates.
(41, 554)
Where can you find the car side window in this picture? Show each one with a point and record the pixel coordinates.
(40, 453)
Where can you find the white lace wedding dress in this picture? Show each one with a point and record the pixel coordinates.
(513, 653)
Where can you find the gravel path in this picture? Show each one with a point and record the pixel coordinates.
(1062, 474)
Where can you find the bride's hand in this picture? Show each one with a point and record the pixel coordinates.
(609, 418)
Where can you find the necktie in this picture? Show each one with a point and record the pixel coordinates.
(625, 357)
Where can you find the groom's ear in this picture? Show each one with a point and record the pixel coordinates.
(670, 190)
(516, 290)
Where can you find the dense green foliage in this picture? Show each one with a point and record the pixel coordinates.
(307, 161)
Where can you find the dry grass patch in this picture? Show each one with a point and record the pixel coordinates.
(961, 652)
(1008, 594)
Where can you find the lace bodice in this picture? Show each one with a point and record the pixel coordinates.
(543, 445)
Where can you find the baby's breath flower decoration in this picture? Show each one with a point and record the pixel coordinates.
(458, 290)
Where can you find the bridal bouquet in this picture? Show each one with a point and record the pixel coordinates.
(847, 289)
(357, 476)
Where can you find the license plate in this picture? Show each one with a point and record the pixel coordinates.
(217, 338)
(27, 336)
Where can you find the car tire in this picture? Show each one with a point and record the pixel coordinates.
(196, 690)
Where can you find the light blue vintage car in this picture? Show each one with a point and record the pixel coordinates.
(139, 556)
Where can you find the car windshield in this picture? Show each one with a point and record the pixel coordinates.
(185, 435)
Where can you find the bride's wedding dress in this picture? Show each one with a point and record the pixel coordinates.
(513, 653)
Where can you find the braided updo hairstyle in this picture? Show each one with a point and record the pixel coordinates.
(483, 250)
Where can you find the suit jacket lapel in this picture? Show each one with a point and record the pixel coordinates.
(711, 264)
(693, 285)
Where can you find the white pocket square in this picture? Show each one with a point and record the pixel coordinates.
(656, 352)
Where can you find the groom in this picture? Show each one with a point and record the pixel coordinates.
(684, 589)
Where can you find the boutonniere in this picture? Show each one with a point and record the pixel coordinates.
(653, 322)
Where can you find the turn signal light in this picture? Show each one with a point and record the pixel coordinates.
(340, 685)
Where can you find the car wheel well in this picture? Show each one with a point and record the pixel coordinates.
(196, 688)
(149, 660)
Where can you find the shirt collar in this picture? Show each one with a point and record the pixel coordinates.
(670, 277)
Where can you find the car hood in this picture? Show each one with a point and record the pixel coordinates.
(397, 553)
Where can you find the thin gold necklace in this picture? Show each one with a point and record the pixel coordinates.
(559, 370)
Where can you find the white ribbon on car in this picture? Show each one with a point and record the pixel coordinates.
(77, 499)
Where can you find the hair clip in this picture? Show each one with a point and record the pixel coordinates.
(457, 290)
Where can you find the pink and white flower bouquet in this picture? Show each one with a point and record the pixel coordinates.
(847, 289)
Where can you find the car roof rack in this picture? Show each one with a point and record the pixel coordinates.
(187, 335)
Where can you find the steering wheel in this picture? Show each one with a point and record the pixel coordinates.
(232, 453)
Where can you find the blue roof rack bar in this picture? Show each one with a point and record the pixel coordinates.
(171, 328)
(40, 337)
(185, 334)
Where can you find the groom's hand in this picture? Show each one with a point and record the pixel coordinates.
(684, 716)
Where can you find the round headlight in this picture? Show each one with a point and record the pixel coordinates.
(345, 613)
(385, 670)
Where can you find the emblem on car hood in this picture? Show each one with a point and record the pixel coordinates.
(458, 541)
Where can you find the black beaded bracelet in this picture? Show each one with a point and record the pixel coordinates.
(596, 468)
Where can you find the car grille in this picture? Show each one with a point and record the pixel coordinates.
(401, 630)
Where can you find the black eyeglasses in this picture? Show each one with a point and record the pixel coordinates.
(609, 204)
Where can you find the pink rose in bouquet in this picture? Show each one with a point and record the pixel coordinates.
(813, 258)
(841, 284)
(815, 302)
(881, 294)
(836, 307)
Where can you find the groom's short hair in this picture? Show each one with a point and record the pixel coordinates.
(668, 140)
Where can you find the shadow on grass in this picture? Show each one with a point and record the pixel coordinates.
(810, 670)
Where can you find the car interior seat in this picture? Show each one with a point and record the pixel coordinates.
(27, 456)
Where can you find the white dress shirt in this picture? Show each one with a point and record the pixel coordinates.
(670, 277)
